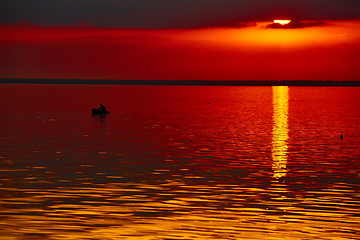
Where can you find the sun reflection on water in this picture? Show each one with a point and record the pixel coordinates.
(280, 130)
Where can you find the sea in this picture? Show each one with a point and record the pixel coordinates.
(179, 162)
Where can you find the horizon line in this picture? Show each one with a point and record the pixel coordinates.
(194, 82)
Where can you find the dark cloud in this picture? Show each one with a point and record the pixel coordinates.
(235, 24)
(170, 13)
(297, 24)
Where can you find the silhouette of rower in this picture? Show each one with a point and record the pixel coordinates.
(341, 137)
(102, 108)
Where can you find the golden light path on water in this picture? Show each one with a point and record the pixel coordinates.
(280, 130)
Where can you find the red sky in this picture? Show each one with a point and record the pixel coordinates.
(327, 51)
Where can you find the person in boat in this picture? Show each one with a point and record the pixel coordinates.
(341, 136)
(102, 108)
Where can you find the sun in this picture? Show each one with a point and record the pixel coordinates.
(282, 22)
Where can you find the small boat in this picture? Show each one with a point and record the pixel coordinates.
(96, 111)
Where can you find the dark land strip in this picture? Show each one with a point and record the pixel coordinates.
(184, 82)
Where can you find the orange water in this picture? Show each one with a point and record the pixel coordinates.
(173, 162)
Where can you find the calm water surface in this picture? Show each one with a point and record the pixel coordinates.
(179, 162)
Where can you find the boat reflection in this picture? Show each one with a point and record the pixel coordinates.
(280, 130)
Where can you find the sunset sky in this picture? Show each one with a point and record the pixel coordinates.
(200, 39)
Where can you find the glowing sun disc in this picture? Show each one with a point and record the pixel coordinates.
(282, 22)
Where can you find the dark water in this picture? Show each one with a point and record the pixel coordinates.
(179, 162)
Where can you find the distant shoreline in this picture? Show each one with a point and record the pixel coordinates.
(184, 82)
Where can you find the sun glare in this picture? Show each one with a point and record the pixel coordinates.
(282, 22)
